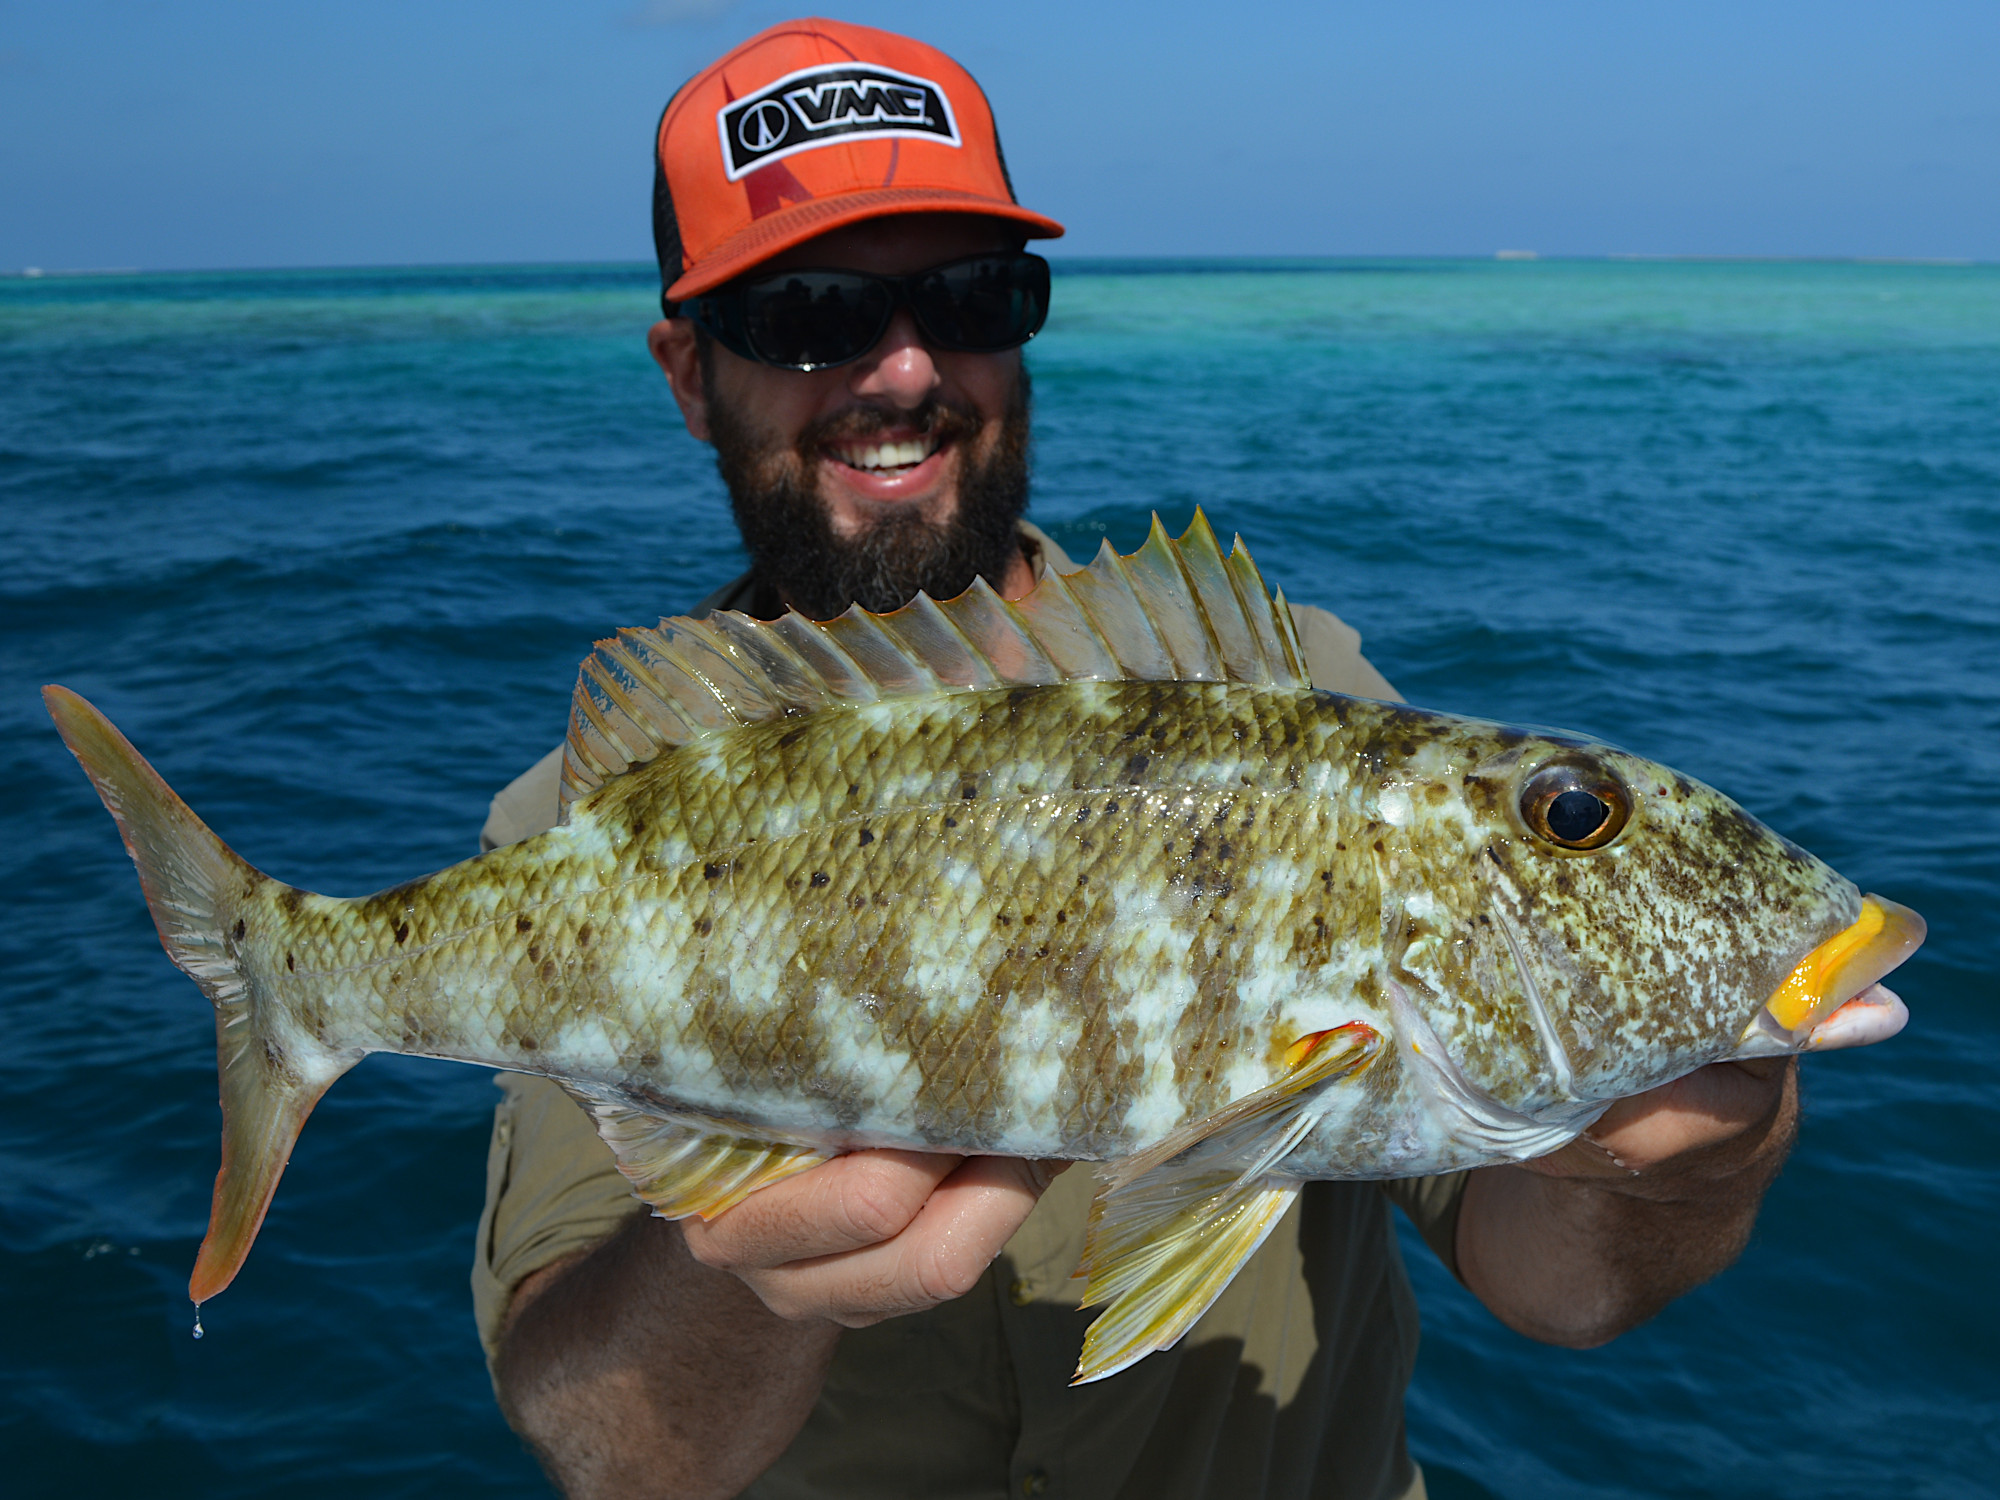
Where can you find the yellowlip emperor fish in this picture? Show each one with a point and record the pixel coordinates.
(1094, 875)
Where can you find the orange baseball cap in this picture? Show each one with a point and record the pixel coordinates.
(811, 125)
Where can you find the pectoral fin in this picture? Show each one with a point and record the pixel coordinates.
(1173, 1225)
(685, 1164)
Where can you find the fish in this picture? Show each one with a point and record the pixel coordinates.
(1094, 875)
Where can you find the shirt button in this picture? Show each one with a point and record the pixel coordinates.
(1021, 1293)
(1037, 1483)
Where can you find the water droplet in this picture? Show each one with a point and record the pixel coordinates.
(197, 1320)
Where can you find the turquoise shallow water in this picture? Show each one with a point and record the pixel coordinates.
(328, 546)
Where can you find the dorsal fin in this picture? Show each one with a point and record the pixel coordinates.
(1173, 610)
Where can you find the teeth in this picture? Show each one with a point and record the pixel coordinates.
(887, 455)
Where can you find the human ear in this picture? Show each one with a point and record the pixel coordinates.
(672, 344)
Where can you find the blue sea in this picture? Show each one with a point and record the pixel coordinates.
(328, 546)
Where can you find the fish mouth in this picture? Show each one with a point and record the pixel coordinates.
(1839, 970)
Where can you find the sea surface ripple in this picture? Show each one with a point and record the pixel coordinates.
(328, 545)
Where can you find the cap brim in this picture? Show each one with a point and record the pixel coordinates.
(776, 233)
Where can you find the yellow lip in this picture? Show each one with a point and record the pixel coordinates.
(1846, 964)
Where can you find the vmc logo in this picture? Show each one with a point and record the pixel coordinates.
(817, 106)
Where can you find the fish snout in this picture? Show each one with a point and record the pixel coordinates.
(1833, 997)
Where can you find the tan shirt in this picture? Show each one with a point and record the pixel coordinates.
(1291, 1385)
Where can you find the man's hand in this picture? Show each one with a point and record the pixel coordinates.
(1658, 1196)
(1704, 1125)
(872, 1235)
(682, 1359)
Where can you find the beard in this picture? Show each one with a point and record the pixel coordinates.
(790, 537)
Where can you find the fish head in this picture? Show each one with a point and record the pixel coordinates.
(1619, 924)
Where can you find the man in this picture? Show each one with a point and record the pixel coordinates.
(846, 300)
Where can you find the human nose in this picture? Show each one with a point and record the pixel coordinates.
(901, 369)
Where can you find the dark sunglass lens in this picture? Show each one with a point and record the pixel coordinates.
(815, 318)
(991, 303)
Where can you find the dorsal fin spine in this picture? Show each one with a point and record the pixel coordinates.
(1105, 592)
(1239, 571)
(984, 670)
(1169, 610)
(1140, 575)
(1196, 538)
(928, 632)
(984, 612)
(584, 764)
(788, 676)
(605, 743)
(1244, 600)
(635, 650)
(801, 637)
(715, 673)
(1066, 592)
(1288, 633)
(1198, 543)
(626, 729)
(626, 682)
(881, 656)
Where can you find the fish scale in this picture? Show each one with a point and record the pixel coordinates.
(1095, 875)
(767, 902)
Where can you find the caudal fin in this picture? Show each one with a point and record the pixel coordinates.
(205, 900)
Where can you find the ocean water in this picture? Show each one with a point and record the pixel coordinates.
(328, 546)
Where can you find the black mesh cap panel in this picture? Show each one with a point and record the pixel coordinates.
(666, 226)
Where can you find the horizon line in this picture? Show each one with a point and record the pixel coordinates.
(37, 273)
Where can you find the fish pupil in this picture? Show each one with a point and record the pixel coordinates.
(1576, 815)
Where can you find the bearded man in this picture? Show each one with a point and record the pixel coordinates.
(846, 297)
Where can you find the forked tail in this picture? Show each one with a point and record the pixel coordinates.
(205, 902)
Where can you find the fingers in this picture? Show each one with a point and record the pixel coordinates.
(855, 1200)
(872, 1235)
(1707, 1109)
(1713, 1121)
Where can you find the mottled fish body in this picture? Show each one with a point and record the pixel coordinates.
(1094, 876)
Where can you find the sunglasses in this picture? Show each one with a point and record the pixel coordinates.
(814, 320)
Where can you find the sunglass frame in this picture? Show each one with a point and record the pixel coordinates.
(724, 314)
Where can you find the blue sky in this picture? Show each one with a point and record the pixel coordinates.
(224, 133)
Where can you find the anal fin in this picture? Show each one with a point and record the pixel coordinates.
(686, 1165)
(1173, 1225)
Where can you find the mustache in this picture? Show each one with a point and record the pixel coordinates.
(943, 420)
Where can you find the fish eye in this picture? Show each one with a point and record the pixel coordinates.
(1575, 806)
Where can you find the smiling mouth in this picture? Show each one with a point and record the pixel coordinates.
(887, 458)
